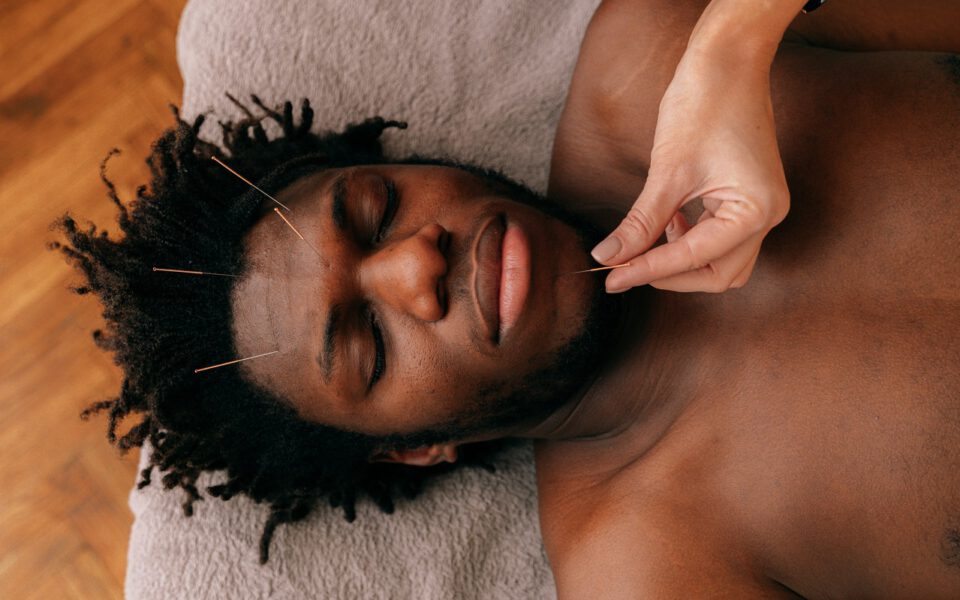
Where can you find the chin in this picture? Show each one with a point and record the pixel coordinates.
(581, 348)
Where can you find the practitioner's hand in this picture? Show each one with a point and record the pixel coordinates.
(715, 139)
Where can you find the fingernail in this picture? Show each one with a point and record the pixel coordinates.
(606, 249)
(614, 286)
(671, 226)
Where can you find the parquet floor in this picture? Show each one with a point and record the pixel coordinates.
(77, 77)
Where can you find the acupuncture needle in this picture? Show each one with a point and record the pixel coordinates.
(626, 264)
(248, 182)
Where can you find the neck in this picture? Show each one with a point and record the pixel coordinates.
(646, 383)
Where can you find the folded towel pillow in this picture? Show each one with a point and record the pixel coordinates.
(482, 82)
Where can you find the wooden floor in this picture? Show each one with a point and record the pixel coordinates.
(78, 78)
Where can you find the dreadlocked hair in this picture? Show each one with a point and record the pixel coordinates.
(160, 327)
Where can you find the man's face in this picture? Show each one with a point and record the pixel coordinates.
(424, 296)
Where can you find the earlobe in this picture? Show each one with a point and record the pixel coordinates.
(425, 456)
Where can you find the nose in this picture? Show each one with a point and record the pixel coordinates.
(407, 274)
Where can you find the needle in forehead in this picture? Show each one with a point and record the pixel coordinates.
(290, 225)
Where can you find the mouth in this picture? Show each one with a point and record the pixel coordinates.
(487, 258)
(515, 275)
(501, 277)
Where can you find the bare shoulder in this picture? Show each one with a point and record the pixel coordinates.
(605, 541)
(626, 61)
(652, 565)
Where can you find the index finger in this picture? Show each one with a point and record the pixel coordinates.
(707, 241)
(642, 225)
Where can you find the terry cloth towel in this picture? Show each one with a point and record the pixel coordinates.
(481, 81)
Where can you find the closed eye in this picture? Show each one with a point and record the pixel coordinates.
(380, 360)
(388, 212)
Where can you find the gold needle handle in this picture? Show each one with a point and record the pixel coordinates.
(626, 264)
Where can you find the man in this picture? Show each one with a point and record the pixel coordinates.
(339, 315)
(796, 437)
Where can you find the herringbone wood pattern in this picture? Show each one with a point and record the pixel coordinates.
(78, 77)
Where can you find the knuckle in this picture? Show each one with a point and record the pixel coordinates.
(762, 215)
(673, 171)
(755, 217)
(716, 282)
(640, 264)
(664, 286)
(639, 222)
(777, 209)
(715, 287)
(692, 257)
(783, 208)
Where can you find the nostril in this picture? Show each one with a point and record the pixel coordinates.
(443, 241)
(442, 294)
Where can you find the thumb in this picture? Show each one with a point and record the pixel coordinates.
(644, 223)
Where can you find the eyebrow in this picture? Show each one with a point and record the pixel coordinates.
(339, 204)
(329, 335)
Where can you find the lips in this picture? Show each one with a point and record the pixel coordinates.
(515, 276)
(487, 274)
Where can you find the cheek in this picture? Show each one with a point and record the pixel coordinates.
(442, 376)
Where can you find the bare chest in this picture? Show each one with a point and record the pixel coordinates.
(825, 455)
(836, 443)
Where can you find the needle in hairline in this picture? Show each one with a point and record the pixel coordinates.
(233, 362)
(189, 272)
(250, 183)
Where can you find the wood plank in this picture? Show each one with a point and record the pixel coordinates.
(55, 38)
(59, 100)
(84, 76)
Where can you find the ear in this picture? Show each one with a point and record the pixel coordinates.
(425, 456)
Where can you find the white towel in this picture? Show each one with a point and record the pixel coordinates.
(480, 81)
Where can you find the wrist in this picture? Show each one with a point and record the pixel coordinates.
(743, 30)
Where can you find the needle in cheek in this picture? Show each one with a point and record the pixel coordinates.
(626, 264)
